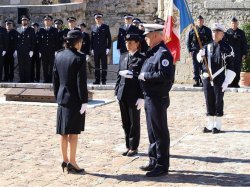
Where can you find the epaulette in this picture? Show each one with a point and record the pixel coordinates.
(59, 50)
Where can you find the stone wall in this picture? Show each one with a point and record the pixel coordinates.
(212, 11)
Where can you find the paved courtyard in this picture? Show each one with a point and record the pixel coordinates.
(30, 154)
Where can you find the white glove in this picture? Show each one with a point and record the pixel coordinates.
(224, 86)
(141, 76)
(202, 52)
(92, 52)
(200, 55)
(83, 108)
(31, 54)
(55, 53)
(139, 103)
(107, 51)
(39, 55)
(15, 54)
(116, 99)
(126, 73)
(87, 58)
(3, 53)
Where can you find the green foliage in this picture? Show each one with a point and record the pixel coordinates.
(246, 62)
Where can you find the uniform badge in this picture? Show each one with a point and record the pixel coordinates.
(165, 63)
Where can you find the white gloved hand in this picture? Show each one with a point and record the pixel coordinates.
(202, 52)
(92, 52)
(3, 53)
(83, 108)
(224, 86)
(31, 54)
(39, 55)
(141, 76)
(116, 99)
(55, 53)
(139, 103)
(15, 54)
(126, 73)
(87, 58)
(107, 51)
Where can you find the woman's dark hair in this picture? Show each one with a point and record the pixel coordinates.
(70, 43)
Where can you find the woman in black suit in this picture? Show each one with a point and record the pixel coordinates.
(129, 93)
(70, 89)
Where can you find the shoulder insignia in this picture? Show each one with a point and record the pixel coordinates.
(165, 62)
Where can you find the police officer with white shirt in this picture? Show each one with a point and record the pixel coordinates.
(220, 58)
(157, 77)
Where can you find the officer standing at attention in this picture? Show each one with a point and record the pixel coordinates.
(193, 47)
(36, 58)
(12, 35)
(86, 41)
(3, 47)
(157, 77)
(236, 38)
(25, 47)
(48, 44)
(72, 25)
(58, 25)
(127, 28)
(100, 46)
(220, 57)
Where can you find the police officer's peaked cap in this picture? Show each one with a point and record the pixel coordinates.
(48, 17)
(136, 20)
(218, 27)
(98, 15)
(83, 25)
(152, 27)
(24, 17)
(234, 19)
(71, 19)
(74, 35)
(200, 17)
(9, 21)
(35, 24)
(58, 21)
(128, 16)
(134, 37)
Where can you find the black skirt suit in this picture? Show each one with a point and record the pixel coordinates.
(70, 90)
(127, 92)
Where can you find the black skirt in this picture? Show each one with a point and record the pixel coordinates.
(69, 121)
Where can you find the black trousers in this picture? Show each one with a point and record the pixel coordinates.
(237, 70)
(197, 67)
(214, 98)
(24, 63)
(1, 65)
(35, 67)
(100, 59)
(48, 58)
(8, 67)
(131, 124)
(158, 134)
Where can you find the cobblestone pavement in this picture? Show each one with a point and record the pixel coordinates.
(30, 154)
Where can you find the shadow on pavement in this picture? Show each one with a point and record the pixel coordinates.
(187, 177)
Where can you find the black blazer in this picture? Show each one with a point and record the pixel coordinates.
(26, 39)
(3, 39)
(121, 37)
(48, 40)
(70, 78)
(86, 44)
(100, 39)
(12, 41)
(129, 89)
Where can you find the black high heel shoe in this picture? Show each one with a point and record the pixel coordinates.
(70, 168)
(64, 165)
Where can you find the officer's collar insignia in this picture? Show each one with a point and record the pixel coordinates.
(165, 63)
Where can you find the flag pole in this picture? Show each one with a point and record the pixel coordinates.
(205, 59)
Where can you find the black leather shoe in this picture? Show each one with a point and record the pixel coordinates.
(125, 153)
(196, 84)
(215, 131)
(96, 82)
(103, 83)
(64, 165)
(132, 152)
(156, 172)
(206, 130)
(148, 167)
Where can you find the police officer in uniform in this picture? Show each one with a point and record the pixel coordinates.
(127, 28)
(157, 77)
(12, 35)
(129, 93)
(86, 41)
(220, 57)
(3, 47)
(100, 46)
(193, 47)
(36, 58)
(25, 47)
(61, 32)
(72, 25)
(236, 38)
(48, 44)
